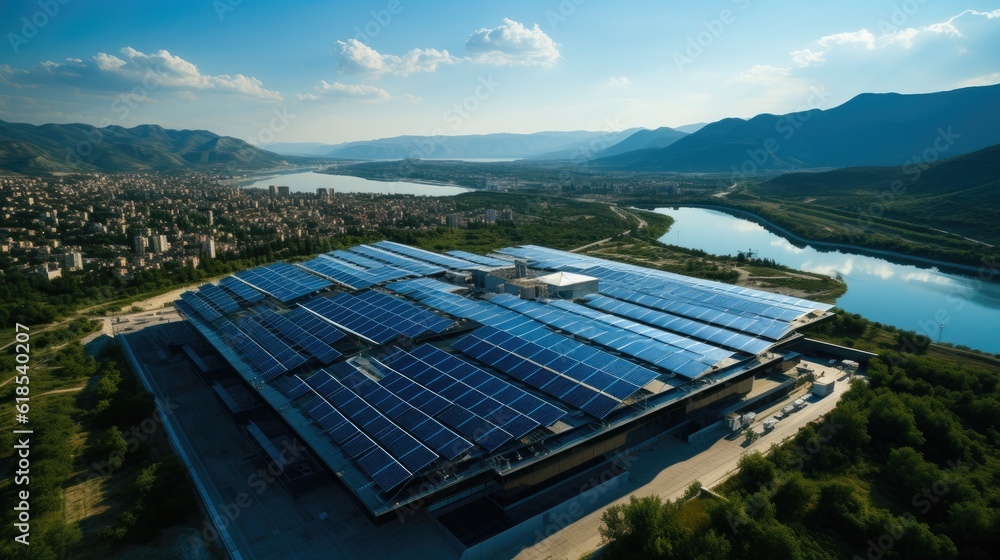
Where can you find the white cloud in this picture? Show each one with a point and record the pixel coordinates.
(105, 72)
(949, 27)
(356, 57)
(807, 57)
(513, 44)
(618, 81)
(762, 74)
(985, 80)
(337, 90)
(863, 38)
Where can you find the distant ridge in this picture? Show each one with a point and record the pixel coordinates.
(870, 129)
(31, 149)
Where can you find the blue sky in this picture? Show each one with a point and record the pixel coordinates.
(331, 72)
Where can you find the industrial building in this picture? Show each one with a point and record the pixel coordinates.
(486, 387)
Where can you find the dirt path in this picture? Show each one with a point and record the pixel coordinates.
(57, 391)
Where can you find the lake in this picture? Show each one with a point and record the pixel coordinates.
(905, 296)
(309, 181)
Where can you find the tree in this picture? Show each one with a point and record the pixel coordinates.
(755, 470)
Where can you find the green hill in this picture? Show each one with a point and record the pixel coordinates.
(26, 148)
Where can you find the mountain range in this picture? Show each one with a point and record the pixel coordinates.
(31, 149)
(499, 145)
(957, 194)
(885, 129)
(870, 129)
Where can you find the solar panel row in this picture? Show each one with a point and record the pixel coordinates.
(689, 327)
(376, 316)
(283, 281)
(354, 277)
(264, 363)
(402, 446)
(417, 267)
(480, 259)
(672, 352)
(219, 297)
(547, 370)
(299, 337)
(202, 306)
(429, 431)
(438, 259)
(241, 290)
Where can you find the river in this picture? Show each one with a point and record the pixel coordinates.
(309, 181)
(906, 296)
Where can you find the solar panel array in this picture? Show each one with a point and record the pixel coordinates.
(376, 462)
(579, 375)
(291, 385)
(302, 338)
(480, 259)
(376, 316)
(241, 290)
(480, 406)
(283, 281)
(354, 258)
(219, 297)
(738, 309)
(350, 275)
(675, 353)
(695, 329)
(288, 356)
(419, 424)
(376, 433)
(262, 362)
(417, 267)
(202, 306)
(452, 263)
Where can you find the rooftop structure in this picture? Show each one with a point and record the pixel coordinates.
(415, 390)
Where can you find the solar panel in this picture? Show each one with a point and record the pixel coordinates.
(480, 259)
(383, 469)
(416, 422)
(417, 267)
(274, 346)
(377, 317)
(201, 306)
(486, 343)
(283, 281)
(292, 386)
(300, 337)
(438, 259)
(220, 298)
(262, 362)
(241, 289)
(352, 276)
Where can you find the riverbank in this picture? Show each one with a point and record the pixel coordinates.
(984, 273)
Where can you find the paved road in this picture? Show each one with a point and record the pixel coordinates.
(710, 462)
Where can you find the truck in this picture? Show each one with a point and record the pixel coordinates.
(770, 423)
